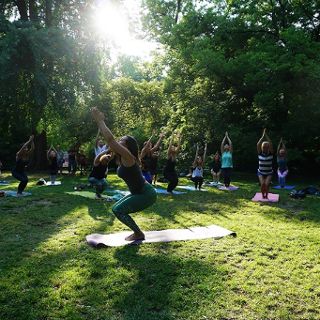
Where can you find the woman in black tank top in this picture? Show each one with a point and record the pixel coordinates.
(169, 171)
(52, 157)
(22, 160)
(97, 177)
(142, 194)
(147, 156)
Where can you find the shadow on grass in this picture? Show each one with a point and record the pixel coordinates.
(164, 285)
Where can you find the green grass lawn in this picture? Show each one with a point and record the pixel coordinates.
(270, 270)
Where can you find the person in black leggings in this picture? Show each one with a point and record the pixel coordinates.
(97, 177)
(52, 156)
(22, 160)
(142, 194)
(169, 171)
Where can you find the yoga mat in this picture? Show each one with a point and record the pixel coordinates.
(164, 191)
(118, 239)
(285, 187)
(4, 183)
(214, 184)
(11, 193)
(124, 193)
(92, 195)
(272, 197)
(56, 183)
(190, 188)
(230, 188)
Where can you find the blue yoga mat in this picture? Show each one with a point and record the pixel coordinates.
(4, 183)
(11, 193)
(164, 191)
(284, 188)
(190, 188)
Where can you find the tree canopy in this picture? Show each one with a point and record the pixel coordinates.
(230, 65)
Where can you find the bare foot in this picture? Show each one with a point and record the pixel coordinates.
(135, 236)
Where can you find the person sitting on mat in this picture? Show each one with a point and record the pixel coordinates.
(142, 194)
(97, 177)
(265, 156)
(169, 170)
(226, 159)
(22, 160)
(216, 167)
(52, 156)
(146, 156)
(197, 168)
(100, 146)
(282, 163)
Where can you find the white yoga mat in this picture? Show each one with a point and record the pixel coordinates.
(118, 239)
(230, 188)
(49, 184)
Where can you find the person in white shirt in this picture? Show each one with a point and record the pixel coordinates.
(197, 168)
(100, 145)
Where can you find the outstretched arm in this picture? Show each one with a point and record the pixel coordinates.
(179, 143)
(157, 145)
(126, 157)
(259, 144)
(29, 142)
(229, 142)
(195, 156)
(145, 149)
(281, 145)
(270, 143)
(170, 146)
(97, 138)
(222, 144)
(205, 153)
(97, 158)
(48, 152)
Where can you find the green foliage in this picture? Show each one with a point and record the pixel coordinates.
(242, 67)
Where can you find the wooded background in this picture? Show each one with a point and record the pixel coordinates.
(230, 65)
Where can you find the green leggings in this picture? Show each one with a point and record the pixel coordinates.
(134, 203)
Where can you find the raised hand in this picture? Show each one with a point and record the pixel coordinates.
(97, 114)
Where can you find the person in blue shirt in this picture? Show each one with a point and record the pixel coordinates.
(226, 159)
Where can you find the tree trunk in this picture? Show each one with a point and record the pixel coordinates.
(33, 10)
(23, 11)
(48, 17)
(40, 161)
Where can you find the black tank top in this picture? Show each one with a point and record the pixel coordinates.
(53, 164)
(170, 165)
(153, 163)
(146, 163)
(20, 165)
(133, 177)
(99, 172)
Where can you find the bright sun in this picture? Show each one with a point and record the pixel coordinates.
(112, 23)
